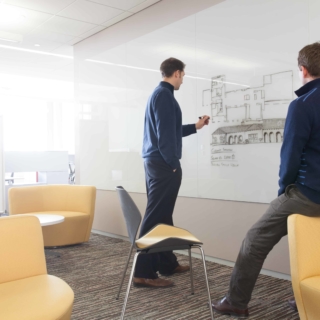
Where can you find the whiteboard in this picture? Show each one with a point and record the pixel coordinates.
(241, 70)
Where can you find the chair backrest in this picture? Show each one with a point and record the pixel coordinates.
(21, 248)
(52, 198)
(131, 213)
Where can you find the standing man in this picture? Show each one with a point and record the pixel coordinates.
(162, 146)
(299, 186)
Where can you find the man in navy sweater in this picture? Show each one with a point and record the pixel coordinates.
(162, 147)
(299, 186)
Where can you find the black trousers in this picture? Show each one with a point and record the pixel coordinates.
(162, 190)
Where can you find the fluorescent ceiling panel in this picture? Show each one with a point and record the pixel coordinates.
(89, 12)
(119, 4)
(52, 7)
(67, 26)
(19, 20)
(143, 5)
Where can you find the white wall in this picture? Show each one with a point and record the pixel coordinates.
(115, 84)
(110, 96)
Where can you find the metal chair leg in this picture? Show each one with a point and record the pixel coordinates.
(124, 272)
(191, 272)
(129, 286)
(206, 276)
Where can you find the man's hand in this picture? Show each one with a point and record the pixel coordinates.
(203, 121)
(174, 170)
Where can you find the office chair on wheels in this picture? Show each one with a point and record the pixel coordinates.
(159, 239)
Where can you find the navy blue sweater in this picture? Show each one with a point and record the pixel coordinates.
(300, 152)
(163, 129)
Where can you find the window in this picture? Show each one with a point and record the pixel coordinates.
(39, 116)
(253, 137)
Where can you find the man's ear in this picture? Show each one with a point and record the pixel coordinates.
(177, 74)
(305, 72)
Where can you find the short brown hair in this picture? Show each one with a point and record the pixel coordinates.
(171, 65)
(309, 57)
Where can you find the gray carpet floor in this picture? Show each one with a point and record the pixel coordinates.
(93, 271)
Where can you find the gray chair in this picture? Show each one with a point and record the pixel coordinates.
(161, 238)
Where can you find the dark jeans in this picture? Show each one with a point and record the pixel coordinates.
(260, 240)
(162, 190)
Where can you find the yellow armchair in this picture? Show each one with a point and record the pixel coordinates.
(75, 203)
(304, 246)
(27, 292)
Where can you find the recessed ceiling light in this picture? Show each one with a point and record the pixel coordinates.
(37, 45)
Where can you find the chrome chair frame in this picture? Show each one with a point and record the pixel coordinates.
(127, 204)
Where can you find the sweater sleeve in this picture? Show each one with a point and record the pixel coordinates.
(297, 131)
(165, 118)
(188, 129)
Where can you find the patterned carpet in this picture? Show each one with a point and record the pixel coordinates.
(93, 271)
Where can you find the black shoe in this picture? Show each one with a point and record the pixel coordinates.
(222, 306)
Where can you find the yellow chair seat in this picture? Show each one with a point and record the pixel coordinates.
(310, 290)
(163, 232)
(42, 297)
(161, 238)
(76, 224)
(26, 291)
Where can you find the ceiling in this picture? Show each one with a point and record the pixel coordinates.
(46, 30)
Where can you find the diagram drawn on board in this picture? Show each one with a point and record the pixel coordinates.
(247, 116)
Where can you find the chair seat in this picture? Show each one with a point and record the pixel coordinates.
(42, 297)
(72, 230)
(166, 235)
(159, 239)
(310, 291)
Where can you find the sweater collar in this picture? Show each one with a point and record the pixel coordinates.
(167, 85)
(308, 86)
